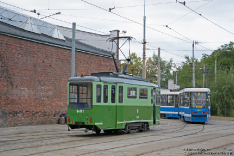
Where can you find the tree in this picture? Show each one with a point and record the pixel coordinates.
(222, 91)
(135, 65)
(165, 70)
(152, 70)
(185, 73)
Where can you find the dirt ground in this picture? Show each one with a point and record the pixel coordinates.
(222, 118)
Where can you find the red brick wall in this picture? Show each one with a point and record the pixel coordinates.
(33, 80)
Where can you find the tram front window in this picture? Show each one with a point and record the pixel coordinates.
(198, 100)
(80, 96)
(170, 100)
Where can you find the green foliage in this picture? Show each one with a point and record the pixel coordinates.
(222, 91)
(185, 75)
(135, 68)
(165, 70)
(152, 70)
(135, 65)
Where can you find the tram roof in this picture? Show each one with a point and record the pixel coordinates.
(195, 90)
(168, 92)
(114, 78)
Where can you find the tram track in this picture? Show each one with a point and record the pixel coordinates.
(146, 142)
(85, 145)
(185, 125)
(58, 137)
(74, 140)
(98, 138)
(19, 135)
(186, 144)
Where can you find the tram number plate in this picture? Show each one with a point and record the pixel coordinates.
(198, 106)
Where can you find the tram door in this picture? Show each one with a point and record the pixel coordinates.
(153, 101)
(113, 106)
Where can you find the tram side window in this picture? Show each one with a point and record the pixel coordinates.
(73, 94)
(143, 93)
(186, 99)
(163, 100)
(208, 100)
(152, 96)
(105, 94)
(120, 94)
(99, 93)
(80, 96)
(182, 100)
(113, 94)
(158, 98)
(132, 92)
(177, 100)
(170, 100)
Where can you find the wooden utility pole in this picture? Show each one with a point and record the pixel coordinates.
(159, 67)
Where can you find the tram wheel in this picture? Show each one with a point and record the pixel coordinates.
(127, 130)
(98, 131)
(145, 126)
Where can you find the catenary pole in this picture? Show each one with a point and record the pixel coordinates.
(159, 67)
(193, 68)
(73, 49)
(144, 44)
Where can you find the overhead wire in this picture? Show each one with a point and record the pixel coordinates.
(156, 4)
(207, 19)
(97, 30)
(55, 18)
(189, 12)
(39, 25)
(134, 21)
(190, 39)
(96, 18)
(178, 33)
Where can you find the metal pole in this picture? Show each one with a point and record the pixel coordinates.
(176, 77)
(193, 68)
(203, 76)
(144, 44)
(159, 67)
(73, 49)
(117, 47)
(215, 65)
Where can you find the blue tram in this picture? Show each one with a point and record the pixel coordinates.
(169, 104)
(195, 104)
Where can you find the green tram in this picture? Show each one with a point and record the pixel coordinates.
(112, 101)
